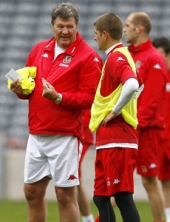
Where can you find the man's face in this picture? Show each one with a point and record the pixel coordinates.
(65, 31)
(99, 38)
(130, 31)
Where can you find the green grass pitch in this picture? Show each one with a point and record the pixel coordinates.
(16, 211)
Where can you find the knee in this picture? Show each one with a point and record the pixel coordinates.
(32, 193)
(149, 182)
(29, 193)
(65, 195)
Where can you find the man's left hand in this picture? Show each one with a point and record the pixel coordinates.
(48, 91)
(109, 117)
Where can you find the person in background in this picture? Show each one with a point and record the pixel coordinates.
(152, 69)
(114, 121)
(65, 84)
(163, 46)
(83, 201)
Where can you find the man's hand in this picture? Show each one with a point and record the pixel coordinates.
(109, 117)
(16, 87)
(48, 91)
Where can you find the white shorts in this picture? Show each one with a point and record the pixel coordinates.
(56, 156)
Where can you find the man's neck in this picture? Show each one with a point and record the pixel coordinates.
(140, 41)
(111, 43)
(112, 47)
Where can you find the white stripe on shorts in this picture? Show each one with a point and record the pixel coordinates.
(56, 156)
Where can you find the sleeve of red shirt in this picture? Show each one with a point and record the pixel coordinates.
(151, 97)
(89, 75)
(121, 70)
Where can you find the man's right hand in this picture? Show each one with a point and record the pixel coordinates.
(16, 87)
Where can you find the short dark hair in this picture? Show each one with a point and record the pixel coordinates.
(65, 10)
(110, 23)
(163, 43)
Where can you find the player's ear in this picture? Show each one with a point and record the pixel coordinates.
(105, 34)
(139, 28)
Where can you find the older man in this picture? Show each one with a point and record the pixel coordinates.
(68, 71)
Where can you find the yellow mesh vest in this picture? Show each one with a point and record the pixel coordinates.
(104, 105)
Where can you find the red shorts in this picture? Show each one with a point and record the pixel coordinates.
(164, 164)
(114, 169)
(148, 152)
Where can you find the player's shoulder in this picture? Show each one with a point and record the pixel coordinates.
(154, 54)
(39, 47)
(117, 57)
(87, 47)
(156, 60)
(89, 53)
(44, 43)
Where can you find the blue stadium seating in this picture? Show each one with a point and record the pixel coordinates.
(23, 23)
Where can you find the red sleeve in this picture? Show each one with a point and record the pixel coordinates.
(23, 97)
(87, 134)
(120, 68)
(89, 75)
(151, 97)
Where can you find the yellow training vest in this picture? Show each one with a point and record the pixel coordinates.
(104, 105)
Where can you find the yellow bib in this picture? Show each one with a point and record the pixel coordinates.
(104, 105)
(27, 82)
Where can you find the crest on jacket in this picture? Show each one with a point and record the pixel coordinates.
(67, 59)
(138, 64)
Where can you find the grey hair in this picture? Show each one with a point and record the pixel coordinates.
(65, 10)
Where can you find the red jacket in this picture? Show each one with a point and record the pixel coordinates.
(87, 134)
(167, 108)
(75, 74)
(152, 69)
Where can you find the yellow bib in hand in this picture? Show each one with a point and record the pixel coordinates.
(27, 82)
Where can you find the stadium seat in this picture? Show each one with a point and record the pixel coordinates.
(23, 23)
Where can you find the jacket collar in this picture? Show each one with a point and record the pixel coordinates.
(113, 47)
(140, 47)
(71, 50)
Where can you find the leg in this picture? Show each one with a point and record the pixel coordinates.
(164, 175)
(67, 204)
(166, 191)
(105, 208)
(35, 196)
(113, 203)
(84, 203)
(155, 195)
(125, 202)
